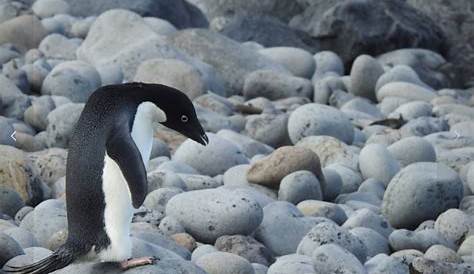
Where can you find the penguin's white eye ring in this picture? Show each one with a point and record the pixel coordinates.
(184, 118)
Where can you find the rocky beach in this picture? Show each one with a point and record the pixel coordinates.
(341, 131)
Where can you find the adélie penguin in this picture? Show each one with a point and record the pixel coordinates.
(105, 172)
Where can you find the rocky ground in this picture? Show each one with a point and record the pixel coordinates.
(341, 132)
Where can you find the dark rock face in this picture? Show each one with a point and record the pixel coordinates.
(356, 27)
(267, 31)
(178, 12)
(455, 18)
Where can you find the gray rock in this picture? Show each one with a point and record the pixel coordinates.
(246, 247)
(400, 73)
(299, 186)
(216, 103)
(259, 268)
(197, 182)
(159, 179)
(10, 201)
(419, 192)
(442, 254)
(406, 90)
(332, 258)
(361, 109)
(429, 224)
(247, 145)
(159, 148)
(317, 119)
(423, 265)
(327, 62)
(293, 263)
(367, 218)
(25, 32)
(81, 27)
(412, 110)
(14, 102)
(298, 61)
(382, 263)
(49, 8)
(423, 126)
(375, 161)
(332, 184)
(156, 238)
(170, 226)
(389, 104)
(160, 26)
(403, 239)
(202, 250)
(213, 122)
(454, 225)
(174, 73)
(75, 80)
(224, 263)
(35, 74)
(30, 255)
(157, 199)
(460, 109)
(23, 237)
(327, 232)
(176, 167)
(22, 213)
(61, 122)
(373, 241)
(456, 158)
(274, 85)
(10, 248)
(365, 72)
(57, 46)
(465, 250)
(283, 227)
(328, 210)
(412, 150)
(231, 213)
(8, 11)
(213, 159)
(49, 165)
(325, 86)
(407, 256)
(351, 179)
(270, 129)
(373, 186)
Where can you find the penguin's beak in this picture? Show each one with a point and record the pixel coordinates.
(201, 138)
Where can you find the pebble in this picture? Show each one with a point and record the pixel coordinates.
(224, 263)
(454, 225)
(31, 35)
(442, 254)
(364, 74)
(10, 201)
(407, 256)
(231, 213)
(159, 179)
(367, 218)
(317, 119)
(376, 161)
(419, 192)
(29, 256)
(400, 73)
(298, 61)
(279, 218)
(373, 186)
(213, 159)
(411, 150)
(299, 186)
(270, 170)
(382, 263)
(202, 250)
(10, 248)
(331, 186)
(403, 239)
(157, 199)
(293, 263)
(373, 241)
(23, 237)
(423, 126)
(169, 226)
(246, 247)
(61, 122)
(328, 232)
(259, 268)
(328, 210)
(327, 62)
(465, 249)
(81, 27)
(332, 258)
(185, 240)
(197, 182)
(274, 85)
(351, 179)
(57, 46)
(325, 87)
(270, 129)
(247, 145)
(215, 103)
(406, 90)
(412, 110)
(423, 265)
(173, 166)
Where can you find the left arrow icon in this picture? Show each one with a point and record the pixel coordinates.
(13, 135)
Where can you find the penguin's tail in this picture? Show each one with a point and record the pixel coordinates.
(60, 258)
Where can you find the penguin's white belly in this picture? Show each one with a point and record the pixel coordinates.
(118, 213)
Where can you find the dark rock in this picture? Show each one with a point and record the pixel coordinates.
(245, 246)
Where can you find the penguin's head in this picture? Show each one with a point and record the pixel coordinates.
(180, 114)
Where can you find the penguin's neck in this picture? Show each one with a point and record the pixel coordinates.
(142, 130)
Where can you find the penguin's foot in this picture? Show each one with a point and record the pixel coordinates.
(134, 262)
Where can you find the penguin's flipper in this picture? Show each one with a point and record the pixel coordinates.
(123, 150)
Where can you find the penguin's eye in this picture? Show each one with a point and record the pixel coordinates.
(184, 118)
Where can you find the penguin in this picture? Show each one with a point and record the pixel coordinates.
(105, 171)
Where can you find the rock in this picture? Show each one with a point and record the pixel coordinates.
(80, 28)
(326, 86)
(426, 63)
(407, 256)
(350, 178)
(328, 210)
(57, 46)
(419, 192)
(292, 263)
(273, 85)
(180, 13)
(327, 62)
(360, 109)
(375, 161)
(443, 254)
(248, 146)
(465, 250)
(409, 91)
(49, 8)
(423, 126)
(400, 73)
(266, 30)
(463, 128)
(372, 186)
(283, 227)
(157, 199)
(8, 11)
(412, 110)
(373, 241)
(213, 122)
(231, 213)
(230, 58)
(423, 265)
(197, 182)
(213, 159)
(216, 103)
(35, 74)
(185, 240)
(10, 248)
(332, 184)
(299, 186)
(403, 239)
(13, 101)
(246, 247)
(31, 255)
(15, 172)
(169, 226)
(159, 179)
(341, 30)
(327, 232)
(270, 170)
(49, 165)
(411, 150)
(224, 263)
(454, 225)
(23, 237)
(174, 73)
(259, 268)
(25, 32)
(364, 75)
(317, 119)
(299, 62)
(331, 258)
(367, 218)
(382, 263)
(160, 26)
(270, 129)
(75, 80)
(444, 109)
(61, 122)
(22, 213)
(10, 201)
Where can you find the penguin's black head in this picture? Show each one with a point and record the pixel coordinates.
(180, 114)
